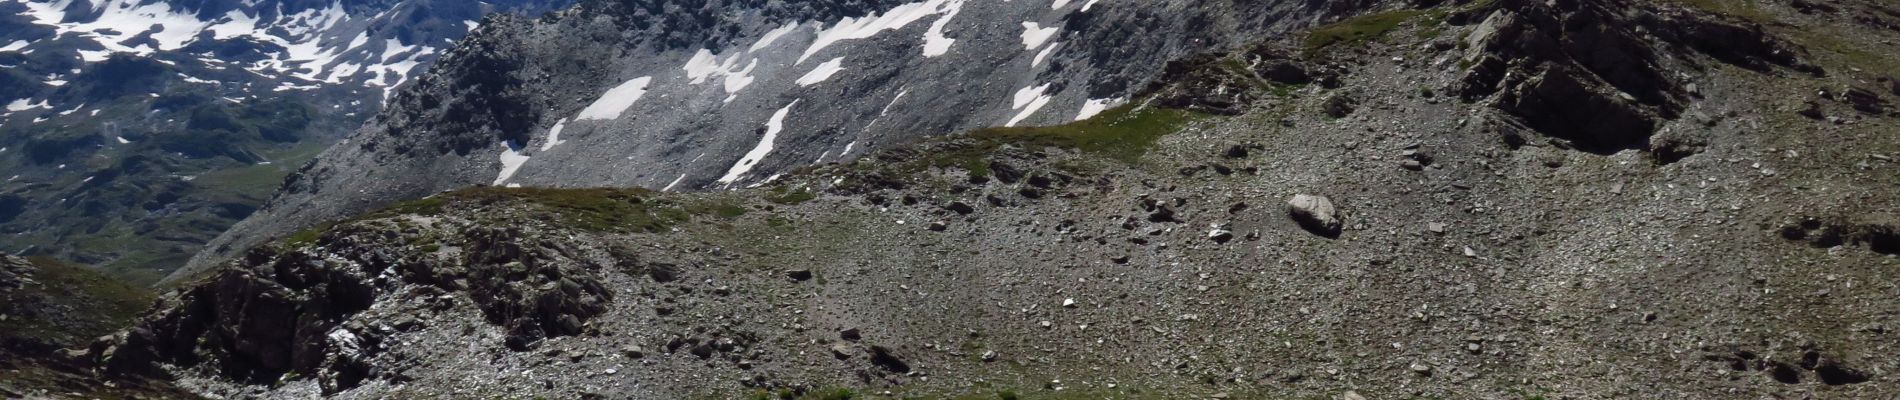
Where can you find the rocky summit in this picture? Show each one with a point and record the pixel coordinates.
(986, 199)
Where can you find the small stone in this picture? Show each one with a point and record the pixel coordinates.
(989, 356)
(1436, 227)
(1421, 368)
(1470, 253)
(1351, 395)
(1412, 165)
(1047, 325)
(1220, 235)
(1068, 303)
(939, 226)
(841, 351)
(850, 334)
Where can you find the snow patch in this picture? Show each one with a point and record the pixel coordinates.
(1034, 35)
(394, 47)
(235, 24)
(511, 161)
(676, 182)
(25, 104)
(616, 100)
(15, 46)
(935, 43)
(704, 66)
(1044, 54)
(773, 36)
(822, 72)
(554, 136)
(871, 25)
(1028, 100)
(1096, 106)
(758, 153)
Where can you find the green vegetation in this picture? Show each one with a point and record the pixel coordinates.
(1123, 133)
(600, 210)
(788, 196)
(1357, 30)
(720, 208)
(259, 180)
(70, 305)
(1846, 51)
(820, 394)
(1744, 9)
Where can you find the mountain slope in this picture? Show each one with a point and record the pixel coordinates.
(1475, 241)
(46, 307)
(135, 131)
(730, 94)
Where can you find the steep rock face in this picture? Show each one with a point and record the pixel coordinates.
(716, 95)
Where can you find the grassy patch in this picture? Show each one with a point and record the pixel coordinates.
(1123, 133)
(1744, 9)
(1845, 51)
(71, 304)
(788, 196)
(259, 179)
(600, 210)
(1357, 30)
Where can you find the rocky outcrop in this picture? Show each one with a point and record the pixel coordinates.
(1226, 84)
(281, 311)
(14, 273)
(1583, 71)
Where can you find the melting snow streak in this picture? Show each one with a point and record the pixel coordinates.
(554, 136)
(1029, 100)
(823, 72)
(752, 158)
(871, 25)
(617, 100)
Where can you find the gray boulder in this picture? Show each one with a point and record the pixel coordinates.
(1315, 213)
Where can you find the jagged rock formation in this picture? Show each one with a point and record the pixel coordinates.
(1473, 250)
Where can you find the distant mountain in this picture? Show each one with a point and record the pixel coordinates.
(132, 131)
(693, 95)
